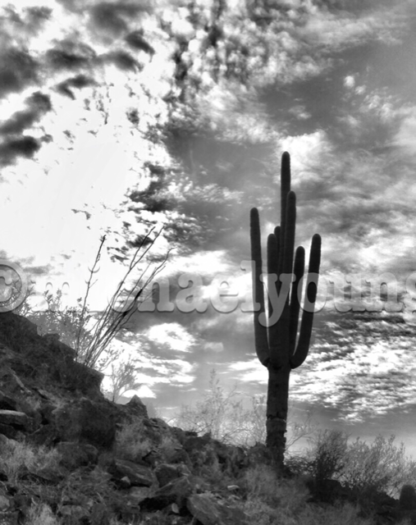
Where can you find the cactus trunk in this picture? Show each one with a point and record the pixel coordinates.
(278, 346)
(277, 408)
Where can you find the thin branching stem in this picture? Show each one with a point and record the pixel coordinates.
(111, 320)
(92, 271)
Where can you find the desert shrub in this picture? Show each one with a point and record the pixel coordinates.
(89, 487)
(380, 466)
(16, 457)
(365, 468)
(167, 446)
(327, 457)
(261, 483)
(131, 443)
(271, 500)
(221, 413)
(89, 333)
(41, 514)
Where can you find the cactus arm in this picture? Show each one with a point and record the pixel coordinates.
(272, 253)
(272, 256)
(289, 243)
(260, 331)
(298, 271)
(284, 191)
(307, 318)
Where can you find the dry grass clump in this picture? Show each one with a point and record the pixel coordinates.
(131, 443)
(41, 514)
(18, 457)
(167, 446)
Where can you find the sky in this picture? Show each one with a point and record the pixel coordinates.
(120, 117)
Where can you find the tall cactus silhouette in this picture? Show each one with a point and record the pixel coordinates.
(278, 346)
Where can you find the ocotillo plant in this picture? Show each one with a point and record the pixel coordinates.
(278, 346)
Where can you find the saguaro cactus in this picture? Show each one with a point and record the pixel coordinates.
(278, 346)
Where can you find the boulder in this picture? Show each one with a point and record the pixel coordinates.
(86, 421)
(74, 455)
(137, 475)
(176, 491)
(16, 419)
(210, 511)
(7, 402)
(166, 473)
(136, 408)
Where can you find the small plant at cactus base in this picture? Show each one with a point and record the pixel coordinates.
(278, 346)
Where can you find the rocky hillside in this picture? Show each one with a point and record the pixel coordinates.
(70, 456)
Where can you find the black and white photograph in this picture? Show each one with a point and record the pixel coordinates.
(208, 262)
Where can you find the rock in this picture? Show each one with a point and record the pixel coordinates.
(8, 431)
(4, 503)
(52, 337)
(48, 474)
(73, 514)
(176, 491)
(16, 419)
(86, 421)
(46, 435)
(200, 450)
(407, 499)
(7, 402)
(232, 459)
(99, 514)
(138, 475)
(209, 511)
(179, 434)
(9, 518)
(166, 473)
(138, 494)
(74, 455)
(136, 407)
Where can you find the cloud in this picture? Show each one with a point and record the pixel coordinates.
(212, 346)
(136, 41)
(171, 336)
(307, 150)
(70, 55)
(20, 23)
(38, 104)
(12, 149)
(349, 364)
(36, 17)
(18, 70)
(112, 17)
(336, 30)
(122, 60)
(78, 82)
(349, 81)
(405, 136)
